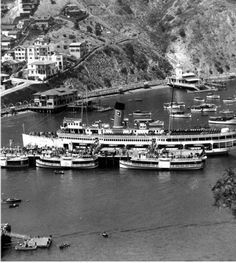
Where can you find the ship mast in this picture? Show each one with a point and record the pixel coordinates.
(171, 104)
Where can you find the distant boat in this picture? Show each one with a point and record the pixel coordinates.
(12, 200)
(138, 99)
(227, 112)
(229, 100)
(213, 97)
(173, 105)
(205, 107)
(222, 120)
(64, 245)
(180, 114)
(199, 99)
(139, 113)
(58, 172)
(13, 205)
(103, 109)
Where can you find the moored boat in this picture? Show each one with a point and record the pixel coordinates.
(26, 246)
(213, 96)
(170, 160)
(205, 107)
(173, 105)
(180, 114)
(13, 161)
(73, 133)
(199, 99)
(69, 162)
(139, 113)
(12, 200)
(223, 120)
(229, 100)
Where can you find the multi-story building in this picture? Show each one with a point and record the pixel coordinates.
(6, 43)
(42, 69)
(8, 28)
(59, 59)
(54, 99)
(27, 7)
(43, 22)
(20, 53)
(78, 49)
(37, 52)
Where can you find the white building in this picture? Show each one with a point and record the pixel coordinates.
(20, 53)
(37, 52)
(78, 49)
(42, 69)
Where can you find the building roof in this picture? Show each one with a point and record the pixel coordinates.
(22, 47)
(6, 39)
(57, 91)
(12, 32)
(75, 44)
(44, 62)
(8, 27)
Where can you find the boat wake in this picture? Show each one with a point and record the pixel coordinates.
(147, 228)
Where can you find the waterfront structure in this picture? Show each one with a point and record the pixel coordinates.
(73, 133)
(53, 100)
(185, 80)
(5, 235)
(78, 49)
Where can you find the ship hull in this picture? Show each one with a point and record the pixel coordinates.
(157, 166)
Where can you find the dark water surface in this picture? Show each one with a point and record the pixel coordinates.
(149, 215)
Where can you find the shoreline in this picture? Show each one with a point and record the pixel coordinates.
(130, 91)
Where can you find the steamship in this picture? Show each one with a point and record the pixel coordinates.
(74, 133)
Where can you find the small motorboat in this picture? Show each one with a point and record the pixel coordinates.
(138, 99)
(105, 235)
(14, 205)
(12, 200)
(64, 245)
(58, 172)
(103, 109)
(199, 99)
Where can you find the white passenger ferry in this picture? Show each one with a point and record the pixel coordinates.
(14, 161)
(69, 162)
(170, 160)
(73, 133)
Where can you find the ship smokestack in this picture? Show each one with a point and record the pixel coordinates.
(119, 115)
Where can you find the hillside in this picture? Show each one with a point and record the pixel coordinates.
(141, 39)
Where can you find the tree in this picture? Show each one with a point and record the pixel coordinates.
(89, 29)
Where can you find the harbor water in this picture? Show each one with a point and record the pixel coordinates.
(148, 215)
